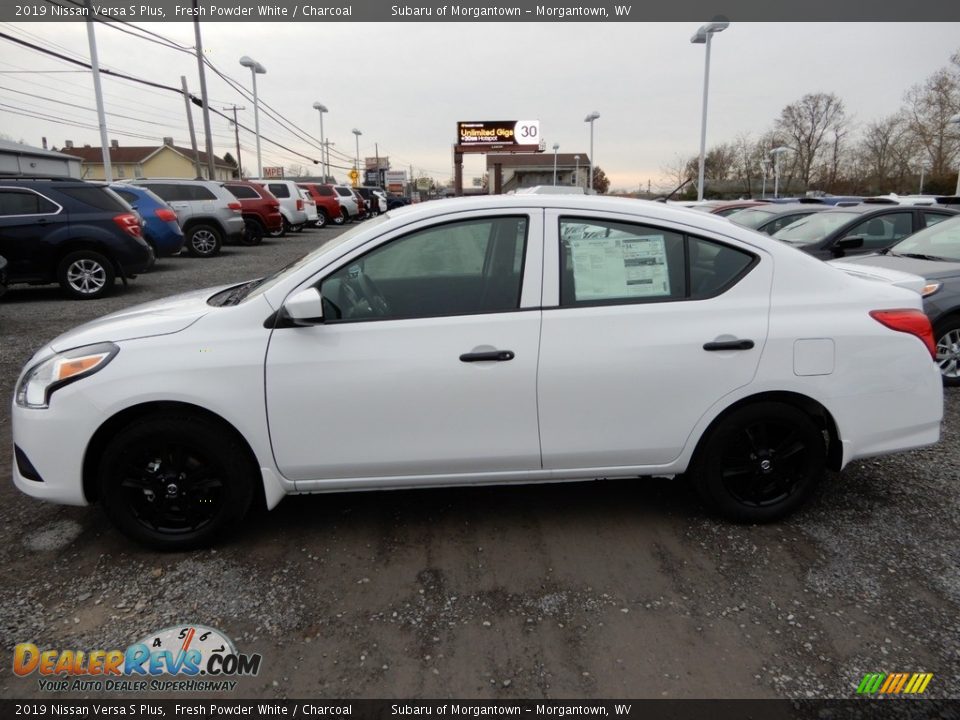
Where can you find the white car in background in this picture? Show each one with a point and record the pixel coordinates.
(309, 206)
(529, 338)
(292, 205)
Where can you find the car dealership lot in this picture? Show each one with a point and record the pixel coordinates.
(611, 589)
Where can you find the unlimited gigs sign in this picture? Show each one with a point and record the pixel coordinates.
(499, 134)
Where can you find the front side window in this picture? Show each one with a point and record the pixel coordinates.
(459, 268)
(883, 230)
(609, 262)
(169, 191)
(931, 218)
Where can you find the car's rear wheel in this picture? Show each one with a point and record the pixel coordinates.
(947, 335)
(342, 219)
(322, 219)
(297, 228)
(253, 231)
(204, 241)
(86, 275)
(175, 481)
(760, 462)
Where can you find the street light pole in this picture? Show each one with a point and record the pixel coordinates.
(556, 146)
(955, 120)
(323, 163)
(590, 118)
(357, 133)
(255, 69)
(764, 165)
(703, 36)
(777, 152)
(576, 172)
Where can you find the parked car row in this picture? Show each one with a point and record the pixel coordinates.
(84, 235)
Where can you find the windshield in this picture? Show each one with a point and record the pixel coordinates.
(941, 242)
(236, 294)
(751, 218)
(814, 228)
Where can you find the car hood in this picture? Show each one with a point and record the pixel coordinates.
(160, 317)
(930, 269)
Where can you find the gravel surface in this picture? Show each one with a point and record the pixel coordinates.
(614, 589)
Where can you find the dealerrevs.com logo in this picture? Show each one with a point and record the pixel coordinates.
(186, 658)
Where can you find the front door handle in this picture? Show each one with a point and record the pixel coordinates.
(728, 345)
(491, 356)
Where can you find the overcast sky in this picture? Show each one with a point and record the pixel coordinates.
(406, 85)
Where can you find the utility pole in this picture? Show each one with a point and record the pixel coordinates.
(193, 135)
(203, 92)
(236, 134)
(376, 155)
(98, 91)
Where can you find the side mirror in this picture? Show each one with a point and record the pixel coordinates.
(304, 307)
(850, 242)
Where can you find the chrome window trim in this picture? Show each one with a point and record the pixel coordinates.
(25, 189)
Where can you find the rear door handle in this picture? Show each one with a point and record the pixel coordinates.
(491, 356)
(728, 345)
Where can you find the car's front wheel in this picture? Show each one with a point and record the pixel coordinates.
(175, 481)
(86, 275)
(947, 335)
(760, 462)
(204, 241)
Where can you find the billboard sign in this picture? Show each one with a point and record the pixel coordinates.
(375, 163)
(395, 180)
(273, 172)
(499, 134)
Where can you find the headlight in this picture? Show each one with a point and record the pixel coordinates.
(40, 381)
(930, 288)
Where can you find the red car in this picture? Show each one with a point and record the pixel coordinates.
(260, 208)
(328, 206)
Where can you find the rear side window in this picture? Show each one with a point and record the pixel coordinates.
(279, 189)
(95, 197)
(24, 202)
(200, 192)
(243, 192)
(608, 262)
(169, 192)
(127, 195)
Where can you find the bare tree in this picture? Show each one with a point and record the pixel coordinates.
(929, 107)
(675, 171)
(809, 127)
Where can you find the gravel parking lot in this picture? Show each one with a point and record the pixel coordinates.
(616, 589)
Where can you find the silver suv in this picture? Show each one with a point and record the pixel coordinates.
(292, 206)
(347, 201)
(208, 213)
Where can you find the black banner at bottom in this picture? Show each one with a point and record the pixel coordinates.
(456, 709)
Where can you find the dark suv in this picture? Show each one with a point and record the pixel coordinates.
(68, 231)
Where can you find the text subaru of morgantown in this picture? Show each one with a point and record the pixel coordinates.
(497, 340)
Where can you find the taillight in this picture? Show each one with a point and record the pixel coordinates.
(913, 322)
(165, 214)
(235, 206)
(299, 203)
(129, 223)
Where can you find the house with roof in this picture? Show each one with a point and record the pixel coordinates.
(517, 171)
(166, 160)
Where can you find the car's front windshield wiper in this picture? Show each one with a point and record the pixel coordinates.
(918, 256)
(240, 292)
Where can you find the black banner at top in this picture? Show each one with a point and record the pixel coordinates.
(523, 11)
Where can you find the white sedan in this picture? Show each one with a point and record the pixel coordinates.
(501, 340)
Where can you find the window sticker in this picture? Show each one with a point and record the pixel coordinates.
(620, 267)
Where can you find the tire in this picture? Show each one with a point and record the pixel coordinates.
(947, 335)
(175, 481)
(86, 275)
(322, 219)
(297, 228)
(204, 241)
(279, 232)
(253, 231)
(760, 462)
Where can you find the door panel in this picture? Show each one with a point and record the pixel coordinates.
(624, 384)
(380, 389)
